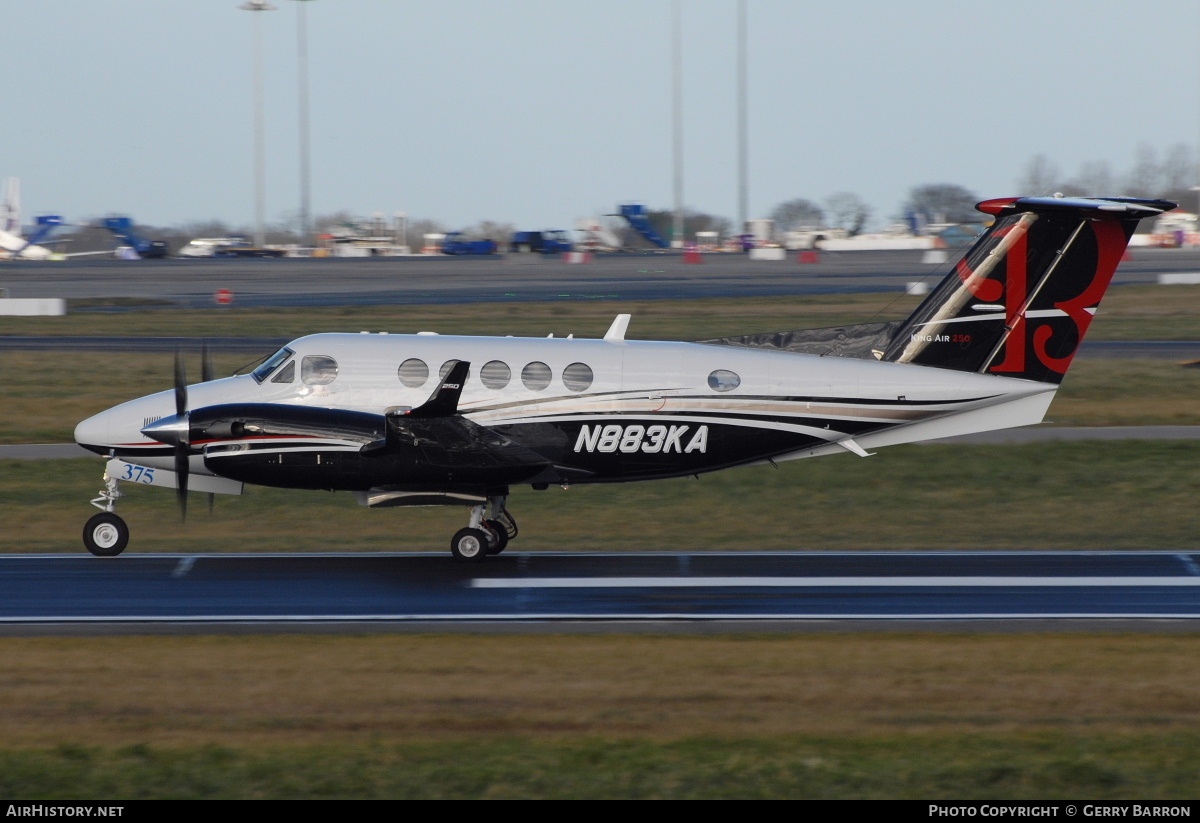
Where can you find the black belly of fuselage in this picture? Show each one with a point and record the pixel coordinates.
(567, 452)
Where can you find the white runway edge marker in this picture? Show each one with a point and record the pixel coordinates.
(817, 582)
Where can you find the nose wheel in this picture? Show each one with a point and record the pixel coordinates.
(106, 535)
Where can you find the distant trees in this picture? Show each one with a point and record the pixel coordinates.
(797, 215)
(663, 220)
(1169, 175)
(943, 202)
(848, 212)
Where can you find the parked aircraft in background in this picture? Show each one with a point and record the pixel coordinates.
(426, 419)
(13, 245)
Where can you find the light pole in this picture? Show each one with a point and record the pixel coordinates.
(677, 236)
(743, 161)
(260, 145)
(305, 174)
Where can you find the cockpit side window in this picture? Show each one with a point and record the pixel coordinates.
(318, 369)
(272, 363)
(287, 374)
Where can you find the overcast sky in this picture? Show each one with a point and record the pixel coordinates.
(538, 112)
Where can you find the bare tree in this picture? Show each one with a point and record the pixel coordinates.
(1178, 174)
(1095, 179)
(1041, 178)
(797, 214)
(1146, 177)
(847, 211)
(943, 202)
(490, 230)
(693, 221)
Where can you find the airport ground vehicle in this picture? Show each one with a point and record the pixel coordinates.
(541, 242)
(457, 243)
(426, 419)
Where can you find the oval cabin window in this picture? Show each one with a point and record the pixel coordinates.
(536, 376)
(318, 370)
(413, 373)
(577, 377)
(723, 380)
(495, 374)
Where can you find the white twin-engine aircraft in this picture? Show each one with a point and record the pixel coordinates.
(404, 420)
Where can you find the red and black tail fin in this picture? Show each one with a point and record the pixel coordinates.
(1020, 301)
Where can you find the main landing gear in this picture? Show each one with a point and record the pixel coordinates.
(488, 532)
(106, 534)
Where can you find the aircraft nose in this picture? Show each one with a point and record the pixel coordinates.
(93, 433)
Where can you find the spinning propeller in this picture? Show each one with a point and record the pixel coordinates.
(182, 441)
(176, 431)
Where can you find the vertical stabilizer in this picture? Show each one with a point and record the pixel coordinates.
(10, 209)
(1020, 301)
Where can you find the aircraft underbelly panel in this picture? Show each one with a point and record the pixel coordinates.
(335, 470)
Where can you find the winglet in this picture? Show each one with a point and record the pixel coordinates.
(444, 401)
(617, 330)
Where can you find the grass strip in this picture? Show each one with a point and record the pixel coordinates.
(922, 767)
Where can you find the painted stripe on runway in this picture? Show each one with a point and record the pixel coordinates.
(816, 582)
(589, 616)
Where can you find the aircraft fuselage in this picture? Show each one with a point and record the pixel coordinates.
(591, 410)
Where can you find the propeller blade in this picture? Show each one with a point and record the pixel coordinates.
(181, 476)
(183, 444)
(180, 384)
(206, 363)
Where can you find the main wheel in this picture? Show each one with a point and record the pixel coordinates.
(497, 530)
(106, 535)
(469, 545)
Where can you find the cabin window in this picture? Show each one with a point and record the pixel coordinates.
(272, 363)
(536, 376)
(318, 370)
(723, 380)
(495, 374)
(413, 373)
(446, 367)
(287, 374)
(577, 377)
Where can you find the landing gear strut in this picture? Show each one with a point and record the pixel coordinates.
(488, 532)
(106, 534)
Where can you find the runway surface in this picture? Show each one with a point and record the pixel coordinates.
(419, 279)
(349, 589)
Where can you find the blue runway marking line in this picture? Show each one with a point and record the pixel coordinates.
(817, 582)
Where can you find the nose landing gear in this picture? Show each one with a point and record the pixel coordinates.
(106, 534)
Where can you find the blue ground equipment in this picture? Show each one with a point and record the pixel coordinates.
(635, 215)
(122, 227)
(457, 243)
